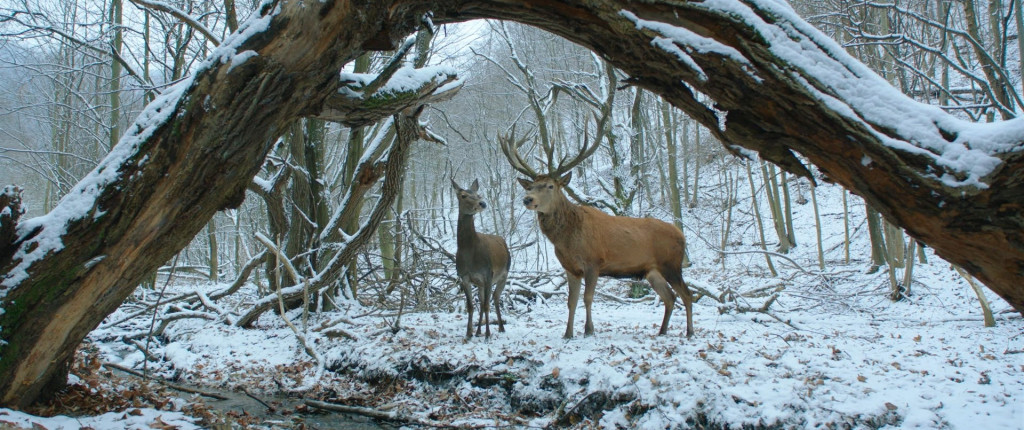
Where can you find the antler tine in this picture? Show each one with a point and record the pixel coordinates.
(586, 150)
(451, 171)
(510, 147)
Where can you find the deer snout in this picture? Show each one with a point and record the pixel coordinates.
(483, 205)
(527, 201)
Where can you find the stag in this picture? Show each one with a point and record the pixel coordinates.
(482, 260)
(590, 243)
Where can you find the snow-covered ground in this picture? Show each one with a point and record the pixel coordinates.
(832, 351)
(138, 418)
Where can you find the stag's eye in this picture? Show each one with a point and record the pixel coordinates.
(550, 187)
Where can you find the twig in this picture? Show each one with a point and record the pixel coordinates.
(148, 308)
(269, 408)
(280, 299)
(152, 322)
(387, 416)
(165, 383)
(773, 254)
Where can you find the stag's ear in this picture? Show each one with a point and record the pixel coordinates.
(525, 183)
(476, 185)
(456, 186)
(564, 180)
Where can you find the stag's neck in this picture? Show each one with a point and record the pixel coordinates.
(562, 222)
(466, 232)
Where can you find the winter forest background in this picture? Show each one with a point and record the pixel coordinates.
(772, 255)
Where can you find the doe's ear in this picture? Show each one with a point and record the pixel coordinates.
(564, 180)
(525, 183)
(476, 185)
(456, 186)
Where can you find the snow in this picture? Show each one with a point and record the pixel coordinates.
(833, 351)
(138, 418)
(80, 202)
(853, 90)
(406, 78)
(241, 58)
(674, 37)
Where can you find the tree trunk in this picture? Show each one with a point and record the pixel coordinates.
(117, 43)
(674, 198)
(878, 250)
(778, 86)
(211, 238)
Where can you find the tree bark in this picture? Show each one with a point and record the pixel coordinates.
(188, 156)
(191, 153)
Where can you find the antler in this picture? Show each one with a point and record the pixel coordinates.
(510, 147)
(586, 150)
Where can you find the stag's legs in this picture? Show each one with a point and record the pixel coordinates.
(684, 291)
(661, 287)
(588, 299)
(574, 297)
(467, 289)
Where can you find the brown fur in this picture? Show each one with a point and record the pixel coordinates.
(590, 243)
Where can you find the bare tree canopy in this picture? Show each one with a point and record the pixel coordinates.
(780, 88)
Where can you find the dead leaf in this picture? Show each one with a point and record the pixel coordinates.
(890, 406)
(161, 425)
(554, 373)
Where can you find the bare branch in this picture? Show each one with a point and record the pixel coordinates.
(180, 14)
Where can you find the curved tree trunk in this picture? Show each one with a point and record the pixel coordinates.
(782, 88)
(779, 87)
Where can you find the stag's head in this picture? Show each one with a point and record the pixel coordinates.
(543, 191)
(470, 202)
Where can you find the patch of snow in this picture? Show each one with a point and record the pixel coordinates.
(136, 419)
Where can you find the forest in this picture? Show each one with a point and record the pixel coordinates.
(221, 215)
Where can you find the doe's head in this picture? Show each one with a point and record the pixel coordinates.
(470, 202)
(543, 191)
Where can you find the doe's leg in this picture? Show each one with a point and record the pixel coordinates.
(485, 309)
(467, 289)
(498, 288)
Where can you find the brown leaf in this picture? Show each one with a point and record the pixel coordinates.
(161, 425)
(890, 406)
